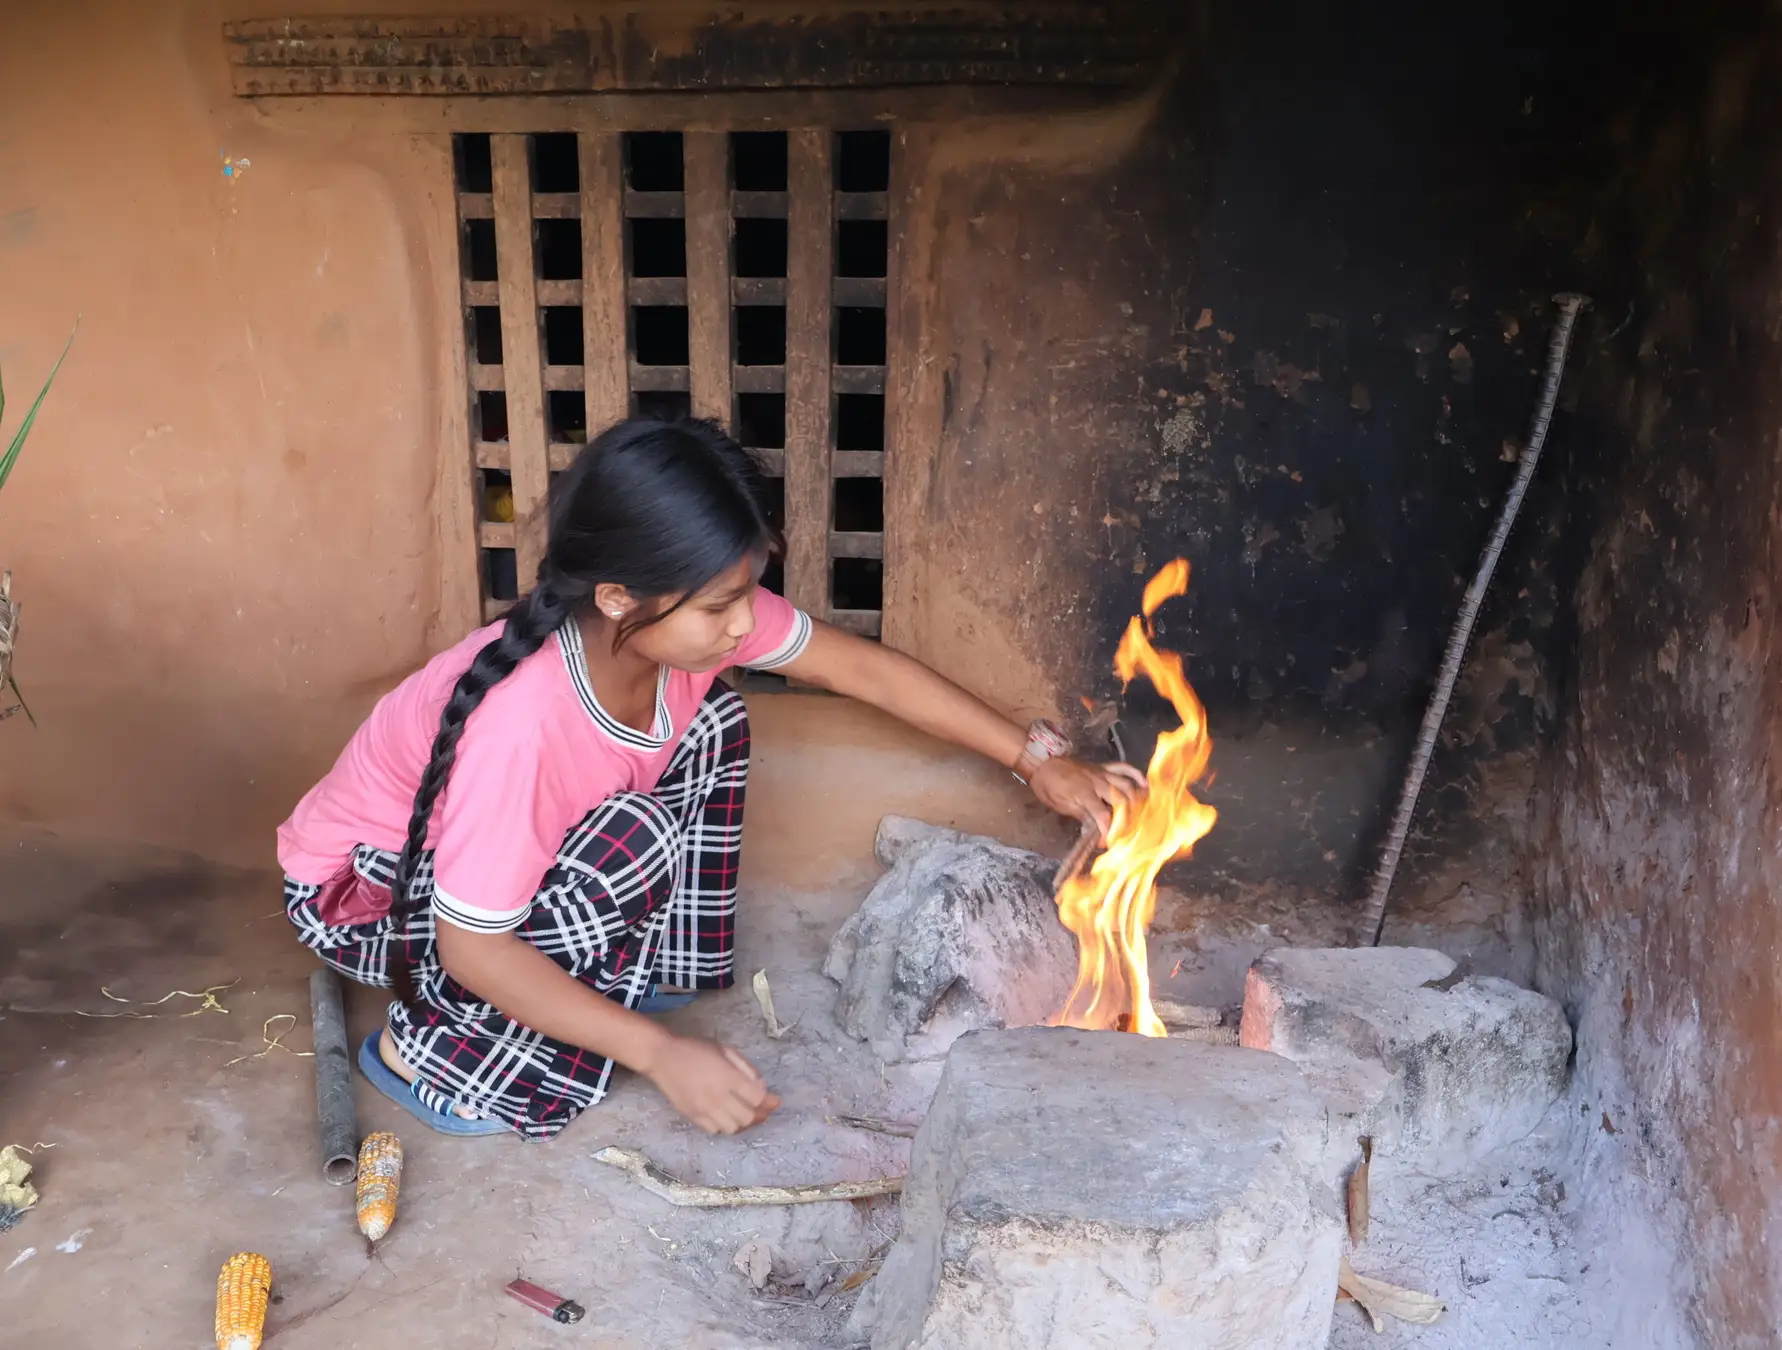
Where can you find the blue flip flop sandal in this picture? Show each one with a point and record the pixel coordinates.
(408, 1096)
(656, 1002)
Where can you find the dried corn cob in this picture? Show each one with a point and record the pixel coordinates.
(380, 1177)
(243, 1287)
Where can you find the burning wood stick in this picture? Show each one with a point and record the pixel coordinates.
(1078, 856)
(691, 1195)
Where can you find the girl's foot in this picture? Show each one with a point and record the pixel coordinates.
(386, 1050)
(386, 1072)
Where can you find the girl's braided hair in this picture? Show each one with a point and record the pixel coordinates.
(660, 508)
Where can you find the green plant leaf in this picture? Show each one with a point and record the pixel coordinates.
(18, 441)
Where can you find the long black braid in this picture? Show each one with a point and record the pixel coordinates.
(659, 508)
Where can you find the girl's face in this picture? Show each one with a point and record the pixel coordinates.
(704, 632)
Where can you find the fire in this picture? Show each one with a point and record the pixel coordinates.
(1109, 907)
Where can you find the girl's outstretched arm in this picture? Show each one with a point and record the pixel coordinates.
(913, 693)
(712, 1085)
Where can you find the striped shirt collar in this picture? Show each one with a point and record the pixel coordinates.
(575, 657)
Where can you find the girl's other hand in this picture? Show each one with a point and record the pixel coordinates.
(1086, 792)
(711, 1085)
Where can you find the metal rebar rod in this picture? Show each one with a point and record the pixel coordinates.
(1373, 920)
(334, 1079)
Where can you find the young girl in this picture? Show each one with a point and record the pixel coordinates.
(536, 834)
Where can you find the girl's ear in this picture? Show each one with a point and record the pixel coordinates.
(614, 601)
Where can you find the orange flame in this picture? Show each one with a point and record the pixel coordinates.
(1110, 907)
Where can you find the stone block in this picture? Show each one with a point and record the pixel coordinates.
(1082, 1190)
(1439, 1076)
(961, 934)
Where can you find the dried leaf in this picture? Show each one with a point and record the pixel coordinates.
(755, 1260)
(1357, 1194)
(1377, 1297)
(764, 996)
(858, 1278)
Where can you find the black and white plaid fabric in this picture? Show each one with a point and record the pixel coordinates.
(643, 891)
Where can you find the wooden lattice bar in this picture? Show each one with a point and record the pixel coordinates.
(708, 273)
(809, 272)
(522, 367)
(606, 369)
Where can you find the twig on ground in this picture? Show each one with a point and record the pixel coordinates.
(677, 1192)
(876, 1125)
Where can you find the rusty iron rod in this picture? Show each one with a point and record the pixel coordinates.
(1373, 920)
(334, 1079)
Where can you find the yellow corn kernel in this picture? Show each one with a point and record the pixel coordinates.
(380, 1177)
(243, 1286)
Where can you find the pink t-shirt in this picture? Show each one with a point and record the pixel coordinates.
(536, 756)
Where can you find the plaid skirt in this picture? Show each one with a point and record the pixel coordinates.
(643, 891)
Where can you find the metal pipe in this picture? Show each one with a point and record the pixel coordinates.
(334, 1079)
(1373, 920)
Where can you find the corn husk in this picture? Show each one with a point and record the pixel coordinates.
(9, 627)
(17, 1194)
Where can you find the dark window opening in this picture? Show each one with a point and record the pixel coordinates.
(567, 410)
(497, 484)
(476, 167)
(659, 335)
(863, 161)
(562, 335)
(658, 248)
(860, 337)
(758, 160)
(857, 583)
(760, 335)
(485, 334)
(860, 422)
(502, 574)
(662, 404)
(479, 249)
(860, 505)
(653, 161)
(761, 421)
(559, 244)
(491, 415)
(555, 167)
(773, 505)
(861, 248)
(760, 248)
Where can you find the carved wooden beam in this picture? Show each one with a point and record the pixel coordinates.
(1032, 44)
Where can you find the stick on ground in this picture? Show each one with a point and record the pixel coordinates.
(876, 1125)
(691, 1195)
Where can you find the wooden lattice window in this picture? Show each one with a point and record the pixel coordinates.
(734, 275)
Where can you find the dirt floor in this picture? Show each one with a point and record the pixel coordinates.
(178, 1138)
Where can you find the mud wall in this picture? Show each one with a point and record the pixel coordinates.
(1658, 876)
(1291, 331)
(221, 531)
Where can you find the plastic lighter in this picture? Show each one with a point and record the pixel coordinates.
(553, 1306)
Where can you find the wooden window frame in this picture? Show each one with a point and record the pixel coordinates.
(810, 378)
